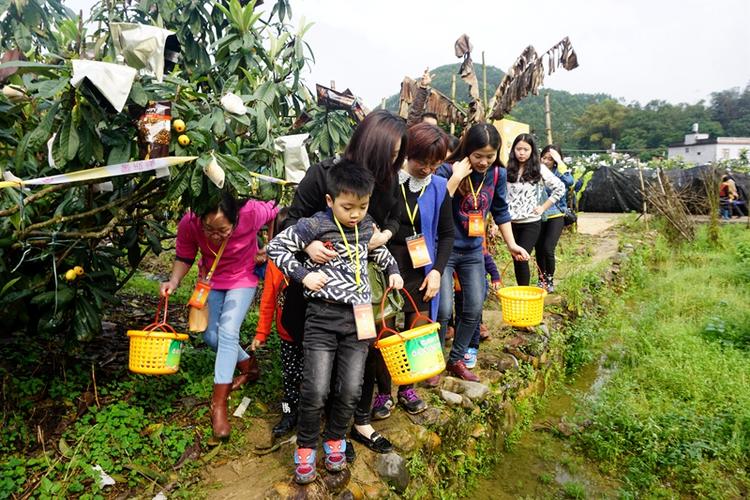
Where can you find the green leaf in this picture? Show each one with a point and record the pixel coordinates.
(219, 125)
(49, 88)
(138, 95)
(8, 285)
(153, 241)
(179, 184)
(196, 182)
(119, 154)
(32, 67)
(68, 138)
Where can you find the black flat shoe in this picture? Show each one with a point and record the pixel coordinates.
(287, 424)
(376, 442)
(350, 452)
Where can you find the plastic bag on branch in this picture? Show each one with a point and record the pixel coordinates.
(296, 161)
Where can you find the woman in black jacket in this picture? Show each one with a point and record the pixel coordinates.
(378, 144)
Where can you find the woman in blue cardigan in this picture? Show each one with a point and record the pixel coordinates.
(426, 215)
(478, 181)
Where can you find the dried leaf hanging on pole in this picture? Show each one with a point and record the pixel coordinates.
(346, 100)
(526, 75)
(436, 102)
(463, 49)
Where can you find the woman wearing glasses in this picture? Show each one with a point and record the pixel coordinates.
(225, 235)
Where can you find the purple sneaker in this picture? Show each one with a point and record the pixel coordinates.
(411, 402)
(381, 408)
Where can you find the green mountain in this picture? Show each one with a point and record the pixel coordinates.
(566, 107)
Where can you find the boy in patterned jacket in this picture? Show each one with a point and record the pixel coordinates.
(336, 291)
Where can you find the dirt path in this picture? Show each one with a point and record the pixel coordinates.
(597, 223)
(600, 225)
(255, 476)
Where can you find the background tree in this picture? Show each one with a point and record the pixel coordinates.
(46, 232)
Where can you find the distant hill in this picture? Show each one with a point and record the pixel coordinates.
(566, 107)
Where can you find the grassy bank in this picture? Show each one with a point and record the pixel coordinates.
(675, 415)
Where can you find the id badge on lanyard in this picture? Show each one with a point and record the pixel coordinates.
(365, 321)
(200, 294)
(417, 247)
(476, 223)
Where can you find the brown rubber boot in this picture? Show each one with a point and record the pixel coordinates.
(249, 372)
(219, 420)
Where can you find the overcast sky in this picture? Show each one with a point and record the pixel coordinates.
(638, 50)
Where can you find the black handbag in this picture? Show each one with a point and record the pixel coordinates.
(378, 285)
(569, 217)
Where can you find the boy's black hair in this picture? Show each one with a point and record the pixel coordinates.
(348, 177)
(429, 114)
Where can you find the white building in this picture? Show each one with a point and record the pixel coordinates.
(700, 148)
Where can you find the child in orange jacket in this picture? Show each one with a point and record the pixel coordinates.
(271, 305)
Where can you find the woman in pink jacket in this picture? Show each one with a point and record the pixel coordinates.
(233, 226)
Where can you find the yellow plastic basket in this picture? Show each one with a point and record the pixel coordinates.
(155, 352)
(522, 305)
(413, 355)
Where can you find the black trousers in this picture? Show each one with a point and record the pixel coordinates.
(526, 235)
(549, 235)
(330, 336)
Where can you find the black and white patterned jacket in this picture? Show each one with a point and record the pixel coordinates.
(341, 272)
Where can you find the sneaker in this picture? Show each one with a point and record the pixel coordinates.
(411, 402)
(381, 408)
(335, 451)
(432, 381)
(304, 459)
(470, 358)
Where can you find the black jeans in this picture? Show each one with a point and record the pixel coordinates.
(526, 235)
(546, 244)
(292, 362)
(330, 336)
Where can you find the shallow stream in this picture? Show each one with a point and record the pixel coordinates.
(543, 463)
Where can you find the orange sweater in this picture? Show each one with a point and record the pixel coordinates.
(274, 284)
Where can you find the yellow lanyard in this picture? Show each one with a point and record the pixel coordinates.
(412, 216)
(348, 250)
(476, 193)
(217, 257)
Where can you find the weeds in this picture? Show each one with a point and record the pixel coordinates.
(677, 409)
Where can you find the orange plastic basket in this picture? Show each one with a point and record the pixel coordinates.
(413, 355)
(155, 352)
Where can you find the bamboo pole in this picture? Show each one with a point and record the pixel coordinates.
(547, 118)
(643, 194)
(453, 99)
(484, 82)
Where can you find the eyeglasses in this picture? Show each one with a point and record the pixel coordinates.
(211, 231)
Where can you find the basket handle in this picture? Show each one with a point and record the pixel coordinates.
(536, 264)
(414, 321)
(162, 309)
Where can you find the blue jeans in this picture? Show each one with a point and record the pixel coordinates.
(226, 311)
(469, 266)
(330, 335)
